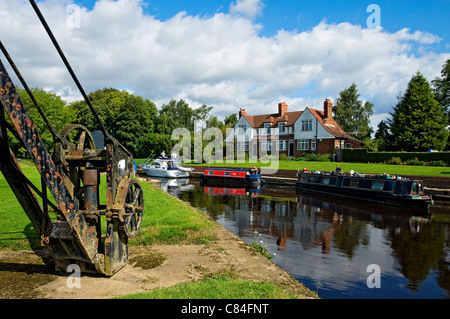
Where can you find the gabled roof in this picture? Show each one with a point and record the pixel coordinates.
(329, 124)
(257, 121)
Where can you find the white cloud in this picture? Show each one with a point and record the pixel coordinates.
(220, 60)
(247, 8)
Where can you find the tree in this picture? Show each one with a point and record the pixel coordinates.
(126, 116)
(178, 114)
(352, 114)
(418, 122)
(231, 120)
(55, 110)
(383, 136)
(153, 144)
(442, 88)
(442, 92)
(202, 112)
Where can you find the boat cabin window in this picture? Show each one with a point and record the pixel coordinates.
(377, 185)
(326, 180)
(171, 165)
(210, 172)
(354, 183)
(227, 173)
(157, 164)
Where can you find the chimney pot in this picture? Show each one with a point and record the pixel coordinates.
(328, 109)
(282, 108)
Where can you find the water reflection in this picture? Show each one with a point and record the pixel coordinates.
(327, 243)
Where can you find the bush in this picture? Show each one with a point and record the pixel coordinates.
(415, 161)
(427, 158)
(395, 161)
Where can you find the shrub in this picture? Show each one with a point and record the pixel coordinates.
(395, 161)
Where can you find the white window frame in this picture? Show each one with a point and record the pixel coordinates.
(282, 129)
(267, 128)
(313, 145)
(282, 146)
(263, 145)
(242, 129)
(303, 145)
(306, 125)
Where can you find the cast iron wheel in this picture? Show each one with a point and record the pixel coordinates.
(133, 209)
(79, 137)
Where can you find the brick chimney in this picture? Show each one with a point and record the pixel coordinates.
(328, 109)
(282, 108)
(242, 112)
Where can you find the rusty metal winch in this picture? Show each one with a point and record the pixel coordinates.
(72, 175)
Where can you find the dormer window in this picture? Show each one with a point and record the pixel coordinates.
(282, 127)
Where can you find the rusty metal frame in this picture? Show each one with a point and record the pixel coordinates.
(72, 177)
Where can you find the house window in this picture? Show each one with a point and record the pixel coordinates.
(307, 125)
(263, 145)
(266, 145)
(282, 128)
(313, 145)
(303, 145)
(246, 146)
(267, 128)
(241, 129)
(281, 145)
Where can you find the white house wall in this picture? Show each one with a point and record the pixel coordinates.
(235, 132)
(307, 135)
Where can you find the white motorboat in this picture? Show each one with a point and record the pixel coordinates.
(167, 167)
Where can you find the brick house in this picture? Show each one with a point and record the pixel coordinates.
(291, 133)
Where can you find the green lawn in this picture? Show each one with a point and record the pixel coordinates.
(166, 219)
(220, 288)
(331, 166)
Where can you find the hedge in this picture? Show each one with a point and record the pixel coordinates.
(363, 156)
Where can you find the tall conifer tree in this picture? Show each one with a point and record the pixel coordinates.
(418, 122)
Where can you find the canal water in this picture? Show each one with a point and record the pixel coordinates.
(340, 248)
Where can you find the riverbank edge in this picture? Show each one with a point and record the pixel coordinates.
(438, 187)
(288, 285)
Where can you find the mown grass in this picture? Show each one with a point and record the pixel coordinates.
(219, 288)
(166, 220)
(367, 168)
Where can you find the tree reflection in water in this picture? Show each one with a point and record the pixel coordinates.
(415, 246)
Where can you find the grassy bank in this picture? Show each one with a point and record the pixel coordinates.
(220, 288)
(167, 220)
(331, 166)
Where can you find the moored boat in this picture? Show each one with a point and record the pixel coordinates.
(167, 167)
(232, 176)
(385, 189)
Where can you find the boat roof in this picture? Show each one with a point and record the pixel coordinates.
(227, 169)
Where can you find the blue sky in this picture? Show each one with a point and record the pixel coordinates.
(248, 54)
(430, 16)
